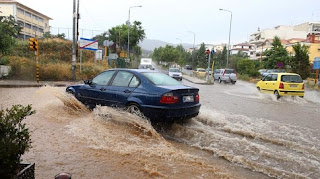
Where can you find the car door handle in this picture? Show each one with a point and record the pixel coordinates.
(127, 91)
(102, 89)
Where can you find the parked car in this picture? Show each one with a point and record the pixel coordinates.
(225, 75)
(261, 71)
(273, 71)
(282, 84)
(153, 94)
(201, 72)
(175, 73)
(188, 67)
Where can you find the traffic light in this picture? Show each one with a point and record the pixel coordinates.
(33, 44)
(207, 57)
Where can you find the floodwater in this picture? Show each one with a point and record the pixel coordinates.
(225, 141)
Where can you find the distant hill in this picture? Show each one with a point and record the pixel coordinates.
(150, 45)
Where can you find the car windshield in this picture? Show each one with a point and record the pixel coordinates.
(161, 79)
(174, 70)
(291, 78)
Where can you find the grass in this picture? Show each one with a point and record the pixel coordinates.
(54, 60)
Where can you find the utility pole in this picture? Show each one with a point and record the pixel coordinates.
(74, 43)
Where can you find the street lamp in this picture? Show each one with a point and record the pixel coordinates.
(229, 35)
(194, 37)
(128, 24)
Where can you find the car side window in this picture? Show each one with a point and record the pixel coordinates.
(268, 78)
(122, 78)
(103, 78)
(274, 77)
(134, 82)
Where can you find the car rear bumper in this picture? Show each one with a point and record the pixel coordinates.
(291, 93)
(167, 113)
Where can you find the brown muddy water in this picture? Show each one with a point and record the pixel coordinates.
(111, 143)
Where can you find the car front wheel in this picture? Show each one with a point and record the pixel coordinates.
(219, 80)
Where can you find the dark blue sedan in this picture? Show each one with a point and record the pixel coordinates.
(154, 94)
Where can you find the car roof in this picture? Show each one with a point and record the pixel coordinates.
(284, 73)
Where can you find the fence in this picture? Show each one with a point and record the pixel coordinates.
(85, 33)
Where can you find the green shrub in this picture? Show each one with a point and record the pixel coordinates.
(14, 138)
(245, 66)
(244, 77)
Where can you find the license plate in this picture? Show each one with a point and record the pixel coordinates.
(188, 99)
(293, 86)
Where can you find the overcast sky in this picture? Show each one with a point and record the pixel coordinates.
(168, 20)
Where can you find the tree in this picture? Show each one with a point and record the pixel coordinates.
(277, 53)
(119, 35)
(101, 37)
(166, 54)
(200, 60)
(9, 30)
(300, 62)
(61, 36)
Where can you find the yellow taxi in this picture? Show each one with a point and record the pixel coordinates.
(201, 72)
(282, 84)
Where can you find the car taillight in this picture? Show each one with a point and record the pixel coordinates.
(168, 98)
(303, 86)
(281, 86)
(197, 97)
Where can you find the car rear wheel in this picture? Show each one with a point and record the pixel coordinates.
(276, 93)
(258, 88)
(219, 80)
(134, 109)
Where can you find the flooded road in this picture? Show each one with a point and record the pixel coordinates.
(240, 133)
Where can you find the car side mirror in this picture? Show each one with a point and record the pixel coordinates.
(87, 82)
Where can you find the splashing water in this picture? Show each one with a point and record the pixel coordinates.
(276, 149)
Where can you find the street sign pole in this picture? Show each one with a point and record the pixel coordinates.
(80, 60)
(316, 77)
(106, 56)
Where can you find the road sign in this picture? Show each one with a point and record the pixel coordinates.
(316, 63)
(108, 43)
(98, 54)
(88, 44)
(113, 56)
(212, 52)
(280, 64)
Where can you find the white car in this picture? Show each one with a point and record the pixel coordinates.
(175, 73)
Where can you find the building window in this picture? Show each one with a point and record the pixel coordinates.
(40, 19)
(35, 28)
(318, 49)
(21, 23)
(40, 30)
(27, 25)
(28, 14)
(34, 17)
(20, 11)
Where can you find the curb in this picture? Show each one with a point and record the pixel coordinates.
(197, 83)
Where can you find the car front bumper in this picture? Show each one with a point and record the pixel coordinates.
(167, 113)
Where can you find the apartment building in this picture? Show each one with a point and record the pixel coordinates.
(32, 21)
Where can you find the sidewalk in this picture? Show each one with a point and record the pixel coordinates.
(24, 84)
(195, 80)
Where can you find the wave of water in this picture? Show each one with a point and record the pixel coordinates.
(273, 148)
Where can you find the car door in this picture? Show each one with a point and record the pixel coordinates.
(94, 93)
(267, 82)
(122, 86)
(273, 82)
